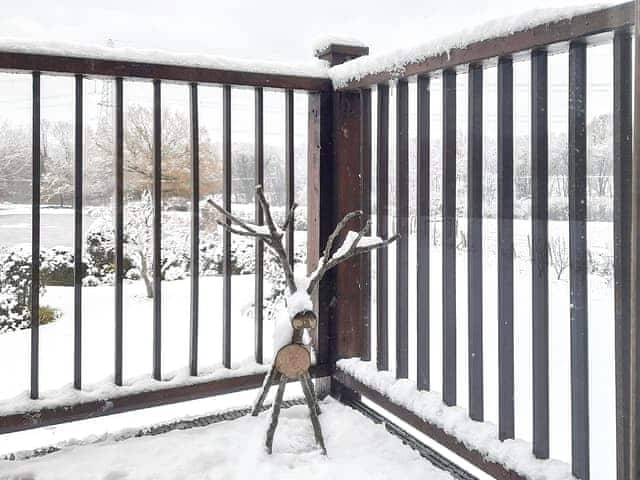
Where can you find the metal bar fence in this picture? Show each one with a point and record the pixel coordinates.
(382, 227)
(402, 229)
(423, 213)
(474, 212)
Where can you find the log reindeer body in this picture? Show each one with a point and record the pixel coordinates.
(293, 360)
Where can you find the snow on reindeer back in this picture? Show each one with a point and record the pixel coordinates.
(396, 60)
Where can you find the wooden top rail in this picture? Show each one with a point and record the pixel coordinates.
(593, 28)
(271, 77)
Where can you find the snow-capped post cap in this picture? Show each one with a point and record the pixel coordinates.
(337, 50)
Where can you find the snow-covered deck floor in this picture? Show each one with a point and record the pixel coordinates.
(358, 449)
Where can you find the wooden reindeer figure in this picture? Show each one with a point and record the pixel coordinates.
(292, 361)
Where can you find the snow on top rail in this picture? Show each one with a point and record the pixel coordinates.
(396, 61)
(514, 454)
(313, 69)
(322, 43)
(106, 390)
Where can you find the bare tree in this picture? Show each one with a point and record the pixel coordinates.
(57, 182)
(15, 162)
(558, 255)
(138, 239)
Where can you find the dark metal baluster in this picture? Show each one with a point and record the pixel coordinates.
(195, 229)
(382, 228)
(539, 254)
(35, 236)
(365, 260)
(289, 170)
(423, 206)
(578, 259)
(622, 175)
(449, 392)
(119, 226)
(259, 278)
(474, 258)
(634, 341)
(226, 236)
(157, 230)
(77, 237)
(505, 248)
(402, 222)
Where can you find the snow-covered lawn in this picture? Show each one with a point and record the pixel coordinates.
(357, 449)
(56, 339)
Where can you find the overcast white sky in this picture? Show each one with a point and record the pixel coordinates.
(265, 29)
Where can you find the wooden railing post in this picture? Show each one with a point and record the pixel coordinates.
(334, 189)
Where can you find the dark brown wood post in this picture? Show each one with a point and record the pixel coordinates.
(334, 190)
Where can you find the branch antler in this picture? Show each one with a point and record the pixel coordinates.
(327, 262)
(273, 238)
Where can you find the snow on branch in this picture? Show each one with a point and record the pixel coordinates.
(355, 243)
(300, 289)
(270, 233)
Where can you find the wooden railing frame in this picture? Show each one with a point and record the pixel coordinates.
(118, 71)
(135, 401)
(614, 24)
(339, 180)
(97, 67)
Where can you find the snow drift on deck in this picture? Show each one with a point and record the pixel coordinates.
(358, 449)
(396, 60)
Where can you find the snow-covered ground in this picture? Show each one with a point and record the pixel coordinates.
(56, 339)
(357, 449)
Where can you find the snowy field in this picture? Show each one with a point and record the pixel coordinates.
(357, 448)
(56, 339)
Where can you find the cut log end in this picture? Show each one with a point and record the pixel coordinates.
(293, 360)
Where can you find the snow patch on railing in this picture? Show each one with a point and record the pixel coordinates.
(320, 44)
(480, 436)
(314, 68)
(68, 396)
(395, 61)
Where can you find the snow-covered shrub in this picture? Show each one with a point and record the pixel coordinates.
(15, 289)
(600, 263)
(212, 257)
(90, 281)
(57, 266)
(48, 314)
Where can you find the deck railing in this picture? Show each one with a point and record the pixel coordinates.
(574, 35)
(117, 71)
(340, 148)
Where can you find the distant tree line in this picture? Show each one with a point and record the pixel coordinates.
(57, 160)
(57, 156)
